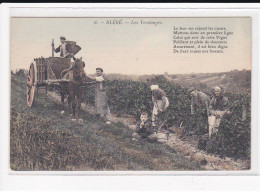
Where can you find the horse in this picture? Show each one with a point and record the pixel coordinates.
(74, 88)
(64, 91)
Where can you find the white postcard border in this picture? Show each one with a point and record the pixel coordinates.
(122, 10)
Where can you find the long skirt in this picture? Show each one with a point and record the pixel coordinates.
(101, 106)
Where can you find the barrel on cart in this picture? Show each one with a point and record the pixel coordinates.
(46, 71)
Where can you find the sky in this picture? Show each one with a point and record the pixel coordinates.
(130, 48)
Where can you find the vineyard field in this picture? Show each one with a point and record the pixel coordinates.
(131, 97)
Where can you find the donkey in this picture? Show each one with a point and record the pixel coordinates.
(74, 88)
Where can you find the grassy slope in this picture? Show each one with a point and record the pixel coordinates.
(108, 149)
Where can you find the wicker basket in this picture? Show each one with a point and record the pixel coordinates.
(73, 47)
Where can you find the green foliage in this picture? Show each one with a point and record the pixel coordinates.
(20, 73)
(233, 139)
(130, 97)
(43, 139)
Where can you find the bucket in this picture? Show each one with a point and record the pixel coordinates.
(162, 137)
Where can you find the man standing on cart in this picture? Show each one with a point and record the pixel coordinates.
(63, 48)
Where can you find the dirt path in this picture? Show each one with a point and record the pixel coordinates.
(183, 146)
(213, 162)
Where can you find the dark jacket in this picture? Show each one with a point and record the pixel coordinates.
(158, 95)
(146, 130)
(219, 103)
(201, 98)
(59, 50)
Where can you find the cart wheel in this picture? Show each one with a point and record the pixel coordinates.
(31, 85)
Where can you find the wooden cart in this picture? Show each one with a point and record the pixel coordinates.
(46, 71)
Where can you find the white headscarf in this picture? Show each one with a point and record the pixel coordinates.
(217, 89)
(154, 87)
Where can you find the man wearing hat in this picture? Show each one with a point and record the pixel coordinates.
(200, 110)
(63, 48)
(160, 102)
(198, 98)
(101, 105)
(218, 107)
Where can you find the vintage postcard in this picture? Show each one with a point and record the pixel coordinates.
(129, 96)
(130, 93)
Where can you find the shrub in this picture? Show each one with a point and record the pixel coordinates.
(129, 97)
